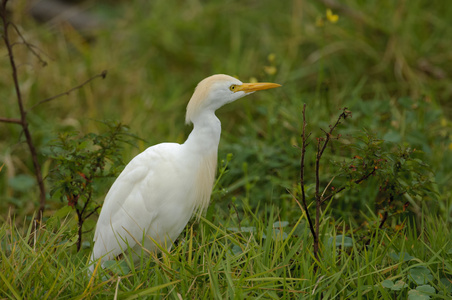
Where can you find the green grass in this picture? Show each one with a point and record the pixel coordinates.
(220, 261)
(387, 61)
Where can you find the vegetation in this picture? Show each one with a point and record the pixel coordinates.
(80, 162)
(386, 236)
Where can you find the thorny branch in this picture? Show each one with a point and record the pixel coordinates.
(320, 149)
(23, 114)
(5, 24)
(318, 197)
(357, 181)
(304, 144)
(322, 143)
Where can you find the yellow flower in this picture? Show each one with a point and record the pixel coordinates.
(271, 57)
(450, 146)
(331, 17)
(270, 70)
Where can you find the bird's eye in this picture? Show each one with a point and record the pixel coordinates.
(232, 87)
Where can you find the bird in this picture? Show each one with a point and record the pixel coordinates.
(160, 189)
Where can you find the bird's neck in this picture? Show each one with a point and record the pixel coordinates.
(205, 136)
(203, 143)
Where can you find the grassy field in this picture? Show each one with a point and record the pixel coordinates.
(388, 62)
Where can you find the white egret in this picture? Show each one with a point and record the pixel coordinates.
(161, 188)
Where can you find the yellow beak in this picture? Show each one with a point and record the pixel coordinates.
(259, 86)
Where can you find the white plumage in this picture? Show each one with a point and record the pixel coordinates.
(160, 189)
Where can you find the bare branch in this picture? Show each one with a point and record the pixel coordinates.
(29, 46)
(94, 211)
(304, 137)
(23, 113)
(7, 120)
(344, 115)
(358, 181)
(383, 219)
(317, 194)
(103, 74)
(322, 143)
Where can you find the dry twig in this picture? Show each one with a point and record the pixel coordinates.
(22, 121)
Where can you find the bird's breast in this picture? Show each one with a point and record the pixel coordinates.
(205, 179)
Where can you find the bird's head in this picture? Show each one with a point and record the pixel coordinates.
(217, 90)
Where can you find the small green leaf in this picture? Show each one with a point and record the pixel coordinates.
(242, 229)
(420, 275)
(279, 234)
(348, 241)
(417, 295)
(276, 235)
(404, 256)
(428, 289)
(421, 292)
(399, 285)
(120, 267)
(280, 224)
(387, 283)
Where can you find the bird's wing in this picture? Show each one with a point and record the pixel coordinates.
(130, 205)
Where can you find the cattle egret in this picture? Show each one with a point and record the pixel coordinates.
(157, 193)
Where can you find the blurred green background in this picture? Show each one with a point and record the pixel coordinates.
(389, 62)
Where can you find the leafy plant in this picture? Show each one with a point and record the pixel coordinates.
(322, 195)
(399, 173)
(397, 286)
(418, 282)
(421, 292)
(80, 162)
